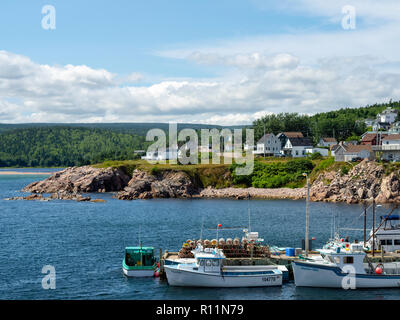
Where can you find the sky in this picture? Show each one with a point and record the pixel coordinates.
(209, 61)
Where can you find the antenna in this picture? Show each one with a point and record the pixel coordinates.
(202, 226)
(140, 235)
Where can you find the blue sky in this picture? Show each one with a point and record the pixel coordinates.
(180, 54)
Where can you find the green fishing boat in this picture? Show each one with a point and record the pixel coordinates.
(139, 262)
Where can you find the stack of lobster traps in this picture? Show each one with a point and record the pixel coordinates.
(232, 248)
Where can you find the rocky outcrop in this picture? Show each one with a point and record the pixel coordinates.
(366, 181)
(166, 184)
(81, 180)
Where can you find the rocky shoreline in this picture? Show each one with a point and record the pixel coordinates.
(364, 182)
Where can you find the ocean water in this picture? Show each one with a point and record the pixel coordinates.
(85, 242)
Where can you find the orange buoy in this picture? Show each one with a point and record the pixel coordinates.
(378, 270)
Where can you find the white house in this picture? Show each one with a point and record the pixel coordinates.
(269, 144)
(387, 116)
(160, 155)
(297, 147)
(327, 142)
(390, 147)
(350, 152)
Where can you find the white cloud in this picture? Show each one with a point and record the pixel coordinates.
(255, 83)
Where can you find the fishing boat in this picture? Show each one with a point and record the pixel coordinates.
(387, 237)
(139, 262)
(208, 270)
(344, 265)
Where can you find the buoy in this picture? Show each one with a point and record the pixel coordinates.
(219, 225)
(158, 264)
(378, 270)
(156, 274)
(347, 245)
(313, 238)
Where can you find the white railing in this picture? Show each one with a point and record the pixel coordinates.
(390, 147)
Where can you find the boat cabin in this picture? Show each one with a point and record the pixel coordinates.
(209, 260)
(388, 236)
(139, 256)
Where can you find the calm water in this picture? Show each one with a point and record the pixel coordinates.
(85, 243)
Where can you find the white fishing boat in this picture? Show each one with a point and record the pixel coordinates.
(345, 265)
(387, 237)
(208, 270)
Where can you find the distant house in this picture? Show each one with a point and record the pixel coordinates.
(381, 126)
(269, 144)
(327, 142)
(350, 152)
(390, 147)
(333, 149)
(395, 127)
(160, 155)
(297, 147)
(372, 139)
(369, 122)
(283, 136)
(323, 151)
(388, 115)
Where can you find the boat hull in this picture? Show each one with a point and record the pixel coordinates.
(138, 273)
(187, 278)
(309, 275)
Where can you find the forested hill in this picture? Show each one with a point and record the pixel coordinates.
(65, 146)
(140, 129)
(346, 123)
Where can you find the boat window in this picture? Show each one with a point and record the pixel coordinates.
(348, 260)
(396, 242)
(383, 242)
(201, 262)
(389, 242)
(215, 263)
(337, 259)
(208, 263)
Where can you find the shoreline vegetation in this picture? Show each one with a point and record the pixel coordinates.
(330, 181)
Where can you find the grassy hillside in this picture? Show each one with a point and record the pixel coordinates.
(267, 173)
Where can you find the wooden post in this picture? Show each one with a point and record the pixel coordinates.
(373, 227)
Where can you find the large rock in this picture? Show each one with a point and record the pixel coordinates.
(81, 180)
(364, 182)
(166, 184)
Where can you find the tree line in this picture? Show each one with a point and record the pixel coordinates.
(64, 146)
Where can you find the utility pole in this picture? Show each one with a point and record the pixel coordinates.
(373, 227)
(307, 214)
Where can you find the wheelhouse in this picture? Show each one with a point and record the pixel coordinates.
(139, 257)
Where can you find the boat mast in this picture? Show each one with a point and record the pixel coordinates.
(248, 210)
(202, 226)
(373, 227)
(307, 213)
(365, 224)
